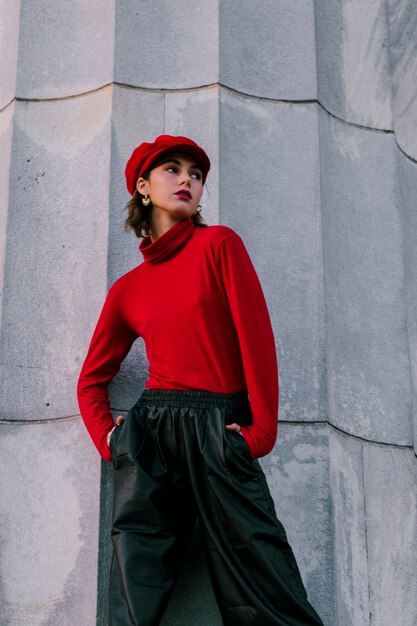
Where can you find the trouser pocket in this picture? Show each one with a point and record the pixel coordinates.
(126, 439)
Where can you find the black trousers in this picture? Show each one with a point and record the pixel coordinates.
(173, 460)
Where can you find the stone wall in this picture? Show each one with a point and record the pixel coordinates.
(309, 114)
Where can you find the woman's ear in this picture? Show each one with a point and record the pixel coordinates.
(142, 186)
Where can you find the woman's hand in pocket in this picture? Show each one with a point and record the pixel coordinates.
(235, 427)
(120, 419)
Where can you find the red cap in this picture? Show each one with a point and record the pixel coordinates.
(147, 153)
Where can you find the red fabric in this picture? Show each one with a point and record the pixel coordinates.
(197, 302)
(146, 154)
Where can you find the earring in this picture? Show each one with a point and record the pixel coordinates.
(146, 201)
(198, 207)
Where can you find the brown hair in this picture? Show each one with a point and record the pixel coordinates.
(138, 215)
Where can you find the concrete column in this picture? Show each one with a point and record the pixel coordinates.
(308, 113)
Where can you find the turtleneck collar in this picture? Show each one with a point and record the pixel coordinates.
(169, 243)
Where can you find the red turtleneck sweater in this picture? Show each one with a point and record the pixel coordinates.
(197, 302)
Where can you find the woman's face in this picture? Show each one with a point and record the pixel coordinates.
(175, 185)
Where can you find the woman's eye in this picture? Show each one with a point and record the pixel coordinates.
(171, 168)
(196, 175)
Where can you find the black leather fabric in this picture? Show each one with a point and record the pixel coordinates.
(174, 460)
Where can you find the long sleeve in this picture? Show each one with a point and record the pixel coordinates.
(110, 343)
(256, 339)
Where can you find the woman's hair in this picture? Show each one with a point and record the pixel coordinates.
(138, 215)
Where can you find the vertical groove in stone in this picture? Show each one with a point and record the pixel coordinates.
(351, 597)
(368, 363)
(6, 138)
(391, 504)
(365, 523)
(270, 195)
(406, 199)
(402, 20)
(353, 69)
(298, 470)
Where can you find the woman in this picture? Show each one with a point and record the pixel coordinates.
(190, 444)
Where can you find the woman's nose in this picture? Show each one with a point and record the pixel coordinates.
(185, 177)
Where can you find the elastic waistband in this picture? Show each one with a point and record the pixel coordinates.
(198, 398)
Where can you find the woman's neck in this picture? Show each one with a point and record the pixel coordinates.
(161, 224)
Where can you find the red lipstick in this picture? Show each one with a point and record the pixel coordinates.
(184, 194)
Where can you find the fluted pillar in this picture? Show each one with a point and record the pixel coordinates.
(308, 113)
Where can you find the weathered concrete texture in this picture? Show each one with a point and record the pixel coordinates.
(48, 519)
(350, 579)
(402, 17)
(196, 114)
(367, 349)
(65, 48)
(269, 193)
(298, 475)
(391, 506)
(56, 251)
(6, 134)
(407, 185)
(268, 48)
(166, 44)
(353, 65)
(9, 32)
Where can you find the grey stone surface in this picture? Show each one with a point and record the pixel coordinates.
(56, 251)
(353, 62)
(163, 44)
(195, 114)
(268, 48)
(65, 48)
(6, 136)
(402, 19)
(297, 471)
(407, 187)
(391, 505)
(9, 32)
(367, 350)
(49, 487)
(350, 580)
(270, 194)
